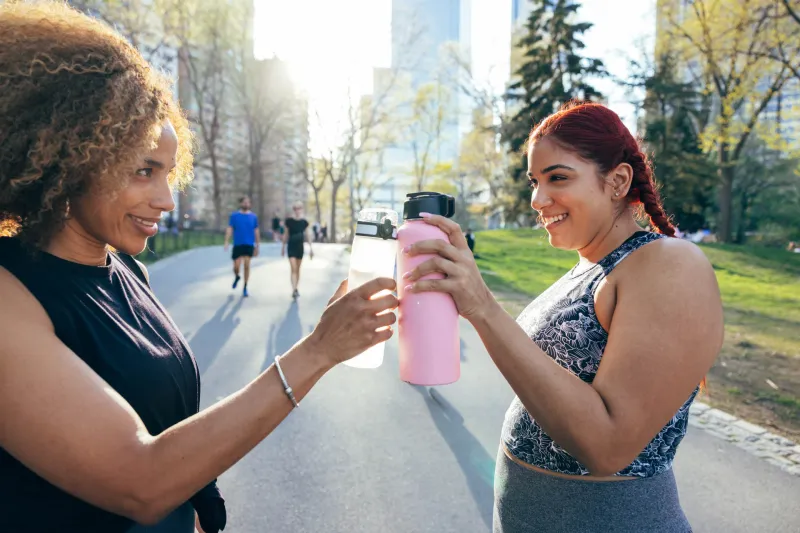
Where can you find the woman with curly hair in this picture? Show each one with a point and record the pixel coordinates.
(100, 426)
(606, 362)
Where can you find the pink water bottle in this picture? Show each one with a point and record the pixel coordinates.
(427, 322)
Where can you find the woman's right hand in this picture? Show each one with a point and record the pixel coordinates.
(348, 325)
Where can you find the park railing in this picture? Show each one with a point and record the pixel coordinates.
(168, 242)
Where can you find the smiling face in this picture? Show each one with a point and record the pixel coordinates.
(128, 217)
(574, 203)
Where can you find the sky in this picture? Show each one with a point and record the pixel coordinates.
(332, 45)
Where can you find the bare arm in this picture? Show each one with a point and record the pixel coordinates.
(308, 239)
(228, 235)
(59, 418)
(647, 372)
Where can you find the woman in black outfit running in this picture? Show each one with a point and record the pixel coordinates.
(295, 238)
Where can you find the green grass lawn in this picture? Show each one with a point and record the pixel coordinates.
(165, 244)
(761, 296)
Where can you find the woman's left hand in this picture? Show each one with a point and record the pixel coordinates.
(454, 259)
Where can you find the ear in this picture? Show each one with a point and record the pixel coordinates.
(619, 180)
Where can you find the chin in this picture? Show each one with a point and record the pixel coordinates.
(131, 247)
(562, 242)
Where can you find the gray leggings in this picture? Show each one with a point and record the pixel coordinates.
(529, 501)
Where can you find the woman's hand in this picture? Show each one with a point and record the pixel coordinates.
(348, 325)
(462, 280)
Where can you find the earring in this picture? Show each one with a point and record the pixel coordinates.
(616, 194)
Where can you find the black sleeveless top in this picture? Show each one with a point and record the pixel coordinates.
(109, 317)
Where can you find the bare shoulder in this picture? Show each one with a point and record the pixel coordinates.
(668, 260)
(675, 279)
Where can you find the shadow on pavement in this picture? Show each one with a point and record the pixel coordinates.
(212, 336)
(285, 335)
(477, 465)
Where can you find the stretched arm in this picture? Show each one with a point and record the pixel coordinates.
(257, 238)
(65, 423)
(228, 234)
(648, 369)
(308, 239)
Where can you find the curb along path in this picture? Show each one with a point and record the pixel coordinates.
(754, 439)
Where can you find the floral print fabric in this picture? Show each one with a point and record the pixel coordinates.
(562, 322)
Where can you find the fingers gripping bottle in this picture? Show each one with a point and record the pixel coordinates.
(427, 322)
(373, 256)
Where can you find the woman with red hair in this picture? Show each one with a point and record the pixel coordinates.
(606, 362)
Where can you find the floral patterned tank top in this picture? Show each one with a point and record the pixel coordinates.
(562, 322)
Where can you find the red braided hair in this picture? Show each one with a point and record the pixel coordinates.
(597, 134)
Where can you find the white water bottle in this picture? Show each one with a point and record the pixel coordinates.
(373, 255)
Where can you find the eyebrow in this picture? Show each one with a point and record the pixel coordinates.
(154, 163)
(550, 169)
(158, 164)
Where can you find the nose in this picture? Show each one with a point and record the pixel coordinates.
(162, 196)
(540, 199)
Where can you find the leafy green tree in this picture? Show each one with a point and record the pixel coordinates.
(553, 72)
(674, 114)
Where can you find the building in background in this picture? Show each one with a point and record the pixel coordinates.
(425, 36)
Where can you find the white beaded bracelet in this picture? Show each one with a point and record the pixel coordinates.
(287, 388)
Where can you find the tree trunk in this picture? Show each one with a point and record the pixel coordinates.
(726, 172)
(334, 197)
(316, 204)
(262, 204)
(217, 194)
(352, 205)
(742, 226)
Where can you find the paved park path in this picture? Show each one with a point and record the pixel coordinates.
(368, 453)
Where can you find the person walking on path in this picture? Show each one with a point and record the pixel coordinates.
(101, 428)
(243, 225)
(606, 362)
(294, 243)
(276, 227)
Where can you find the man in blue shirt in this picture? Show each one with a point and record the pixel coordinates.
(243, 226)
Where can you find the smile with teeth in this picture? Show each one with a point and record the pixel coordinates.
(553, 220)
(144, 222)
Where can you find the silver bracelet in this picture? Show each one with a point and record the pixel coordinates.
(286, 387)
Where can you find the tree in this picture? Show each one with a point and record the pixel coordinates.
(424, 129)
(482, 159)
(206, 36)
(553, 72)
(674, 114)
(312, 171)
(761, 171)
(729, 44)
(146, 24)
(268, 108)
(365, 122)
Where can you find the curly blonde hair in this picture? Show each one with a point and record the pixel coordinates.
(78, 107)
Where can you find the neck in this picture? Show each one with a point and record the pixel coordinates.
(74, 244)
(610, 238)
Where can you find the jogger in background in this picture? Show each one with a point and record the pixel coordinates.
(243, 226)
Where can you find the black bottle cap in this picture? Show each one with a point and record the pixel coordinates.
(434, 203)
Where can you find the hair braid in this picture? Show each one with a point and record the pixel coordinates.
(643, 190)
